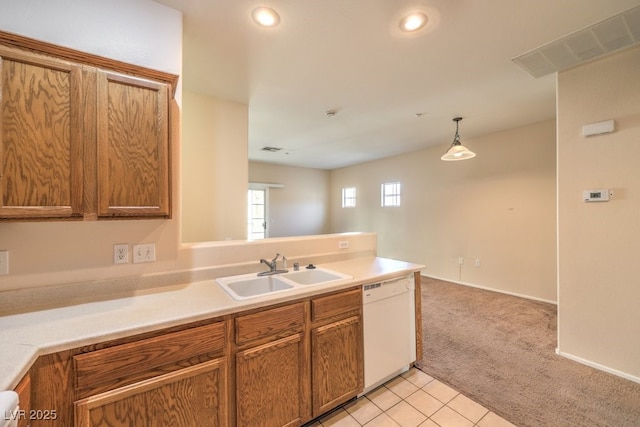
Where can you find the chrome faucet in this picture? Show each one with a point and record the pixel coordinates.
(273, 266)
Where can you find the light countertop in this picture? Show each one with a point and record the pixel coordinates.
(25, 336)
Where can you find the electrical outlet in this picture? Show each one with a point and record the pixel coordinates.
(145, 252)
(4, 262)
(120, 254)
(343, 244)
(460, 260)
(477, 262)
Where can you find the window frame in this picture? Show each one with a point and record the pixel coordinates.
(346, 198)
(390, 194)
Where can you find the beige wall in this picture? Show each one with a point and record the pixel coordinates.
(301, 206)
(599, 318)
(47, 254)
(214, 172)
(52, 252)
(498, 207)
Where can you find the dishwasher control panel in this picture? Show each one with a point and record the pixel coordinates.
(381, 290)
(372, 286)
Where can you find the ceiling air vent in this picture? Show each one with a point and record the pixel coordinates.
(618, 32)
(271, 149)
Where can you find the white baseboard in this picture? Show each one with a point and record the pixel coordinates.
(598, 366)
(471, 285)
(558, 352)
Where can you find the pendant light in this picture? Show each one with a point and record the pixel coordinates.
(457, 151)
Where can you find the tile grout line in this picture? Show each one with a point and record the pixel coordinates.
(326, 421)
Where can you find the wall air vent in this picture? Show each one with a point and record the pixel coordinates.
(271, 149)
(618, 32)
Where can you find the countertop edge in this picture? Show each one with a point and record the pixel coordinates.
(18, 362)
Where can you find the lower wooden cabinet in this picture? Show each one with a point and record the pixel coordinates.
(270, 367)
(336, 349)
(336, 363)
(298, 361)
(194, 396)
(269, 387)
(24, 398)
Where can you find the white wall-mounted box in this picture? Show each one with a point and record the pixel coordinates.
(599, 128)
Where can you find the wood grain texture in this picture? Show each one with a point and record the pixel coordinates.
(332, 307)
(38, 46)
(270, 382)
(40, 137)
(133, 146)
(418, 305)
(57, 108)
(52, 388)
(24, 398)
(270, 324)
(89, 102)
(123, 364)
(337, 363)
(194, 396)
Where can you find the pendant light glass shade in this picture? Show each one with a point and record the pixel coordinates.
(457, 151)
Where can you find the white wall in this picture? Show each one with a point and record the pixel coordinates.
(140, 32)
(214, 169)
(498, 207)
(599, 319)
(44, 254)
(301, 206)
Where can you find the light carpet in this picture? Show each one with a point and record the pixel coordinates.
(500, 351)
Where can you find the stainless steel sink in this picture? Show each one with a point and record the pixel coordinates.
(249, 286)
(315, 276)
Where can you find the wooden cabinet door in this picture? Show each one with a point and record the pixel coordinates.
(194, 396)
(133, 146)
(24, 397)
(336, 359)
(270, 382)
(40, 137)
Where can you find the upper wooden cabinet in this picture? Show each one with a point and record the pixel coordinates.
(133, 146)
(81, 136)
(40, 137)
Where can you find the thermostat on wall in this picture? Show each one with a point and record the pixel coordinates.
(596, 195)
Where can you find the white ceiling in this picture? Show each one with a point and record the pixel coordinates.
(349, 56)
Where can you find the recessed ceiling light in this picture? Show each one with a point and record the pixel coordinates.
(413, 22)
(265, 16)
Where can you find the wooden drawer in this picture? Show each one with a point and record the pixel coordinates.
(193, 396)
(271, 324)
(111, 367)
(336, 306)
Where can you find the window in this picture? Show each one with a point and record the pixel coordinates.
(349, 197)
(390, 194)
(256, 214)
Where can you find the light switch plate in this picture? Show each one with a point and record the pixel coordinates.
(4, 262)
(145, 252)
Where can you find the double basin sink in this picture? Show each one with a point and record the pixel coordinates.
(247, 286)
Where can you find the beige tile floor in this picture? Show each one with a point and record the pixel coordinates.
(410, 400)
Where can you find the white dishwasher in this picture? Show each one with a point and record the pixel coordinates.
(389, 329)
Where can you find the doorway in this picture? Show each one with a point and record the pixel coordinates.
(257, 214)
